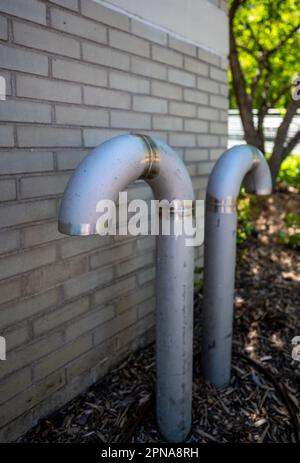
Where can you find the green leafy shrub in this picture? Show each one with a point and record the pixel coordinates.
(291, 235)
(289, 174)
(245, 227)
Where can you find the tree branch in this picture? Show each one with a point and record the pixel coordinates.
(293, 142)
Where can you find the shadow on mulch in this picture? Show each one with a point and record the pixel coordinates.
(250, 409)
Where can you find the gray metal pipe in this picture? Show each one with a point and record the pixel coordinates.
(105, 172)
(220, 252)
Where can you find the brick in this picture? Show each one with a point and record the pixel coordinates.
(214, 154)
(105, 56)
(218, 74)
(16, 428)
(30, 397)
(134, 264)
(167, 123)
(24, 261)
(195, 66)
(24, 111)
(60, 316)
(195, 96)
(14, 384)
(182, 46)
(32, 187)
(205, 168)
(208, 57)
(48, 136)
(87, 282)
(182, 109)
(208, 141)
(218, 102)
(27, 307)
(148, 32)
(181, 77)
(40, 234)
(129, 43)
(78, 72)
(7, 190)
(118, 324)
(109, 256)
(209, 114)
(81, 244)
(3, 28)
(129, 83)
(195, 125)
(93, 137)
(89, 322)
(104, 15)
(196, 154)
(41, 279)
(83, 116)
(6, 136)
(146, 276)
(182, 139)
(15, 214)
(167, 56)
(25, 161)
(77, 25)
(15, 337)
(18, 59)
(207, 85)
(9, 241)
(107, 98)
(70, 4)
(113, 291)
(150, 104)
(69, 159)
(44, 39)
(224, 90)
(95, 362)
(137, 297)
(146, 308)
(166, 90)
(148, 68)
(62, 357)
(218, 128)
(31, 352)
(10, 289)
(130, 120)
(31, 9)
(44, 89)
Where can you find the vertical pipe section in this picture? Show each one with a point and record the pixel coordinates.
(174, 335)
(220, 252)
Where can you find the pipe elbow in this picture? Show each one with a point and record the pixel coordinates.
(110, 168)
(240, 163)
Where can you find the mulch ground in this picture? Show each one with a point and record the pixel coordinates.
(261, 404)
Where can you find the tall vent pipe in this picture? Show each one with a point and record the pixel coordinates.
(220, 252)
(105, 172)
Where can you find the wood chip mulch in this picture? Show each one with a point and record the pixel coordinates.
(262, 402)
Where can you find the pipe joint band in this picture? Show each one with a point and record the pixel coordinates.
(152, 157)
(225, 205)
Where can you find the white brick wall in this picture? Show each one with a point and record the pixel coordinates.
(77, 74)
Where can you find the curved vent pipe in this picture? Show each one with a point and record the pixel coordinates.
(105, 172)
(220, 252)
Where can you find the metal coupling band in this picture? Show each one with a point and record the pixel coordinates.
(151, 158)
(225, 205)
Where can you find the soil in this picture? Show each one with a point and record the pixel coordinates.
(261, 404)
